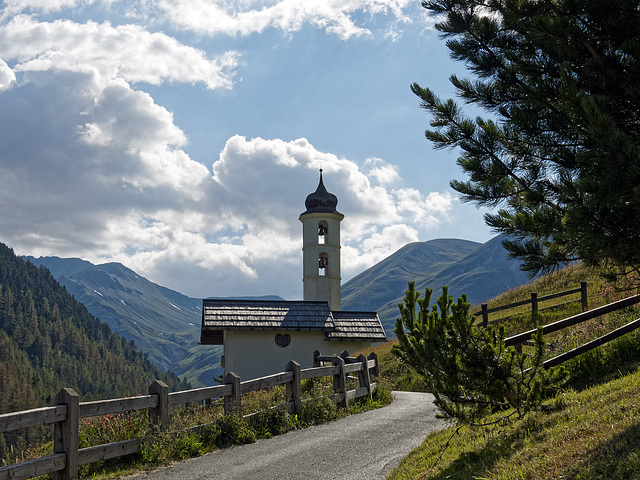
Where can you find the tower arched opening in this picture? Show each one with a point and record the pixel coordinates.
(323, 232)
(323, 264)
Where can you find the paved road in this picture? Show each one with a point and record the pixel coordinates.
(366, 446)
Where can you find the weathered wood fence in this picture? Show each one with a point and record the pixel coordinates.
(519, 339)
(66, 414)
(534, 301)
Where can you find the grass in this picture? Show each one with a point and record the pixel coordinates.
(590, 430)
(591, 434)
(198, 429)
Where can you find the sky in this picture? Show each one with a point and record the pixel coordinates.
(181, 137)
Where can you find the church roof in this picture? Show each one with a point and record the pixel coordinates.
(266, 315)
(363, 326)
(233, 314)
(321, 201)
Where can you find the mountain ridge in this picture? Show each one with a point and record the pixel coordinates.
(166, 324)
(49, 340)
(162, 322)
(480, 270)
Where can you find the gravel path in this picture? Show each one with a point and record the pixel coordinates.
(366, 446)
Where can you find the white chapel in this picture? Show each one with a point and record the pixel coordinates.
(261, 336)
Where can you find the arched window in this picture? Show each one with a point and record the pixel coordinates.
(323, 230)
(323, 263)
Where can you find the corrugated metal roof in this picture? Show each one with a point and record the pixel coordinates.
(365, 326)
(229, 314)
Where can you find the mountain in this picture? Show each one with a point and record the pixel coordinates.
(48, 341)
(482, 271)
(163, 323)
(166, 324)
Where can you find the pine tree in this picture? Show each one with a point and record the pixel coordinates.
(467, 368)
(559, 155)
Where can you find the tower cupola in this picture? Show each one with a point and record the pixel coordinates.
(321, 200)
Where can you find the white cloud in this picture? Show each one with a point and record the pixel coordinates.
(77, 186)
(7, 77)
(128, 52)
(424, 211)
(92, 166)
(231, 17)
(376, 247)
(109, 182)
(44, 5)
(383, 172)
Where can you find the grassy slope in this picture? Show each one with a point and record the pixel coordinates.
(590, 430)
(590, 434)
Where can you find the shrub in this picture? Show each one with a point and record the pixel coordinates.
(274, 421)
(319, 410)
(467, 368)
(234, 430)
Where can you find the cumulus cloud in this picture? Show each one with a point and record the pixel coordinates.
(108, 181)
(7, 77)
(129, 52)
(231, 17)
(92, 166)
(44, 5)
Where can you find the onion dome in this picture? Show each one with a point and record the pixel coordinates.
(321, 201)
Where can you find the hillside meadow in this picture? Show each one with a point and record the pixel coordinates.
(588, 430)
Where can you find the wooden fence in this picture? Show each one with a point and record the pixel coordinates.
(67, 412)
(519, 339)
(534, 301)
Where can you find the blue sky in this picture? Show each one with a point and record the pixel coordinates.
(181, 137)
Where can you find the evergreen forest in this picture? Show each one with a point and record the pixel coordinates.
(49, 341)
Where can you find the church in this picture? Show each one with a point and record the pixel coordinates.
(260, 337)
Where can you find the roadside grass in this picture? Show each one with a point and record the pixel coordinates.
(591, 434)
(198, 429)
(590, 430)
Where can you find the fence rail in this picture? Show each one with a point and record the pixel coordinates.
(65, 415)
(521, 338)
(534, 301)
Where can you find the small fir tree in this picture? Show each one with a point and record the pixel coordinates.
(467, 368)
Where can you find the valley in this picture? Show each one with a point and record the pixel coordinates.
(165, 324)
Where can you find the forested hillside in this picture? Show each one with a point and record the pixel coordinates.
(49, 341)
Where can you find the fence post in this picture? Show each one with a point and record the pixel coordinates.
(340, 380)
(159, 416)
(374, 371)
(534, 305)
(485, 315)
(583, 296)
(65, 434)
(316, 355)
(233, 403)
(363, 375)
(294, 389)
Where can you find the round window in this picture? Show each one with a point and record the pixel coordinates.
(283, 340)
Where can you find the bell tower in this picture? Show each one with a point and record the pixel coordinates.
(321, 247)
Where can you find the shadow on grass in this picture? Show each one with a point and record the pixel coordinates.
(617, 459)
(498, 447)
